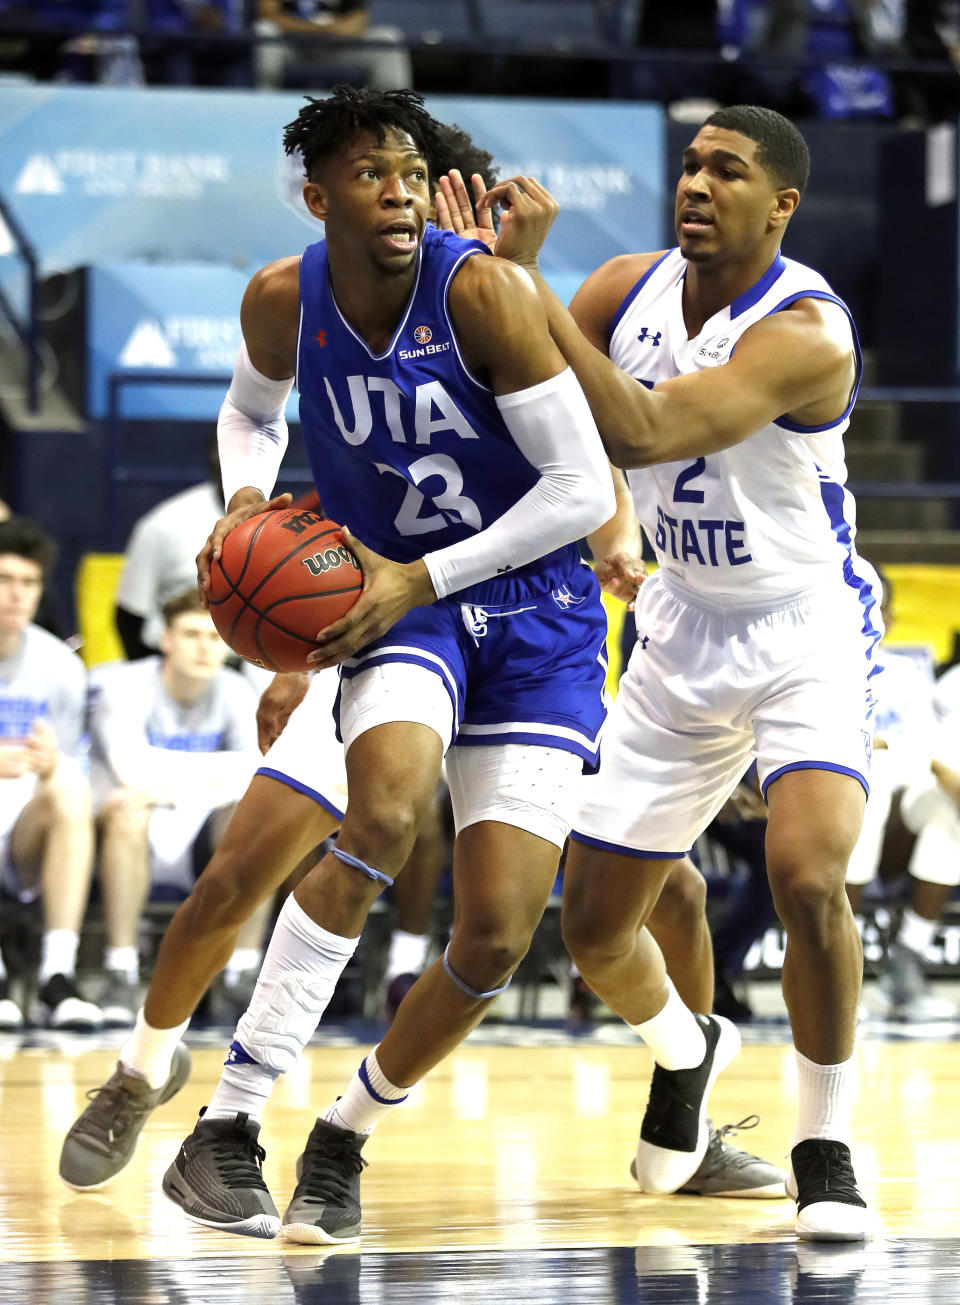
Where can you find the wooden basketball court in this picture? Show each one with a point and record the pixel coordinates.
(504, 1178)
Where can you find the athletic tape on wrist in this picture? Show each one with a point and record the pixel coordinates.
(465, 987)
(362, 866)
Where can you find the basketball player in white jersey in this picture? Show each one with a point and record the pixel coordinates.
(756, 635)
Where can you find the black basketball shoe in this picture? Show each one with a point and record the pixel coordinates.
(326, 1204)
(217, 1179)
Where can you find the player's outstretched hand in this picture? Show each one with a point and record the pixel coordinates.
(455, 212)
(246, 507)
(285, 692)
(390, 590)
(527, 211)
(621, 575)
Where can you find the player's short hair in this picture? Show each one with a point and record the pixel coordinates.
(24, 537)
(181, 605)
(781, 150)
(322, 127)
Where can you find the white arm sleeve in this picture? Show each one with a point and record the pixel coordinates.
(554, 429)
(251, 429)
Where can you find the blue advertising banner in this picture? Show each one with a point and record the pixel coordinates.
(108, 178)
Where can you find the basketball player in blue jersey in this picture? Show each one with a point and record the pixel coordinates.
(275, 824)
(756, 635)
(447, 433)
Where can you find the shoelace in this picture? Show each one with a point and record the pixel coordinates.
(328, 1165)
(238, 1158)
(111, 1111)
(718, 1135)
(828, 1169)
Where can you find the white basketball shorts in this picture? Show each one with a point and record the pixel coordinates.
(308, 756)
(708, 688)
(932, 815)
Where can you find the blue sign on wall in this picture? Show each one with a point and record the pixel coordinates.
(108, 178)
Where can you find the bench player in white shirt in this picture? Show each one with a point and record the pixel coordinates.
(46, 825)
(756, 635)
(173, 744)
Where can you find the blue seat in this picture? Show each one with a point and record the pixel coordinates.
(543, 24)
(433, 21)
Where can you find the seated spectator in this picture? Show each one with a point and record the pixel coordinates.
(45, 813)
(175, 53)
(173, 745)
(930, 808)
(343, 52)
(161, 558)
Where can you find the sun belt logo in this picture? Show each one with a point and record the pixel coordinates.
(423, 335)
(716, 353)
(39, 177)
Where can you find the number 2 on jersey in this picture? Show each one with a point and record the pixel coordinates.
(680, 492)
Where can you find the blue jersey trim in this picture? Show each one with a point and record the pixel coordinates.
(546, 740)
(796, 426)
(632, 294)
(815, 765)
(625, 851)
(305, 789)
(759, 288)
(833, 497)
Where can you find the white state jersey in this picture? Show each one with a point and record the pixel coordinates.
(42, 681)
(769, 518)
(141, 738)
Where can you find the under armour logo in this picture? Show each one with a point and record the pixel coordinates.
(564, 598)
(643, 642)
(644, 337)
(321, 339)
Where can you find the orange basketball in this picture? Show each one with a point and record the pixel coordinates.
(281, 578)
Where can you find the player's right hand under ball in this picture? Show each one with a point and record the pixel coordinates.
(246, 503)
(390, 590)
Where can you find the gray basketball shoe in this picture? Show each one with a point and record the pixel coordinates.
(326, 1203)
(102, 1141)
(217, 1179)
(727, 1171)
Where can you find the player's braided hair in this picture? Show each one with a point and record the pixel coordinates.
(323, 126)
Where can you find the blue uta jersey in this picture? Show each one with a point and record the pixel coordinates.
(407, 447)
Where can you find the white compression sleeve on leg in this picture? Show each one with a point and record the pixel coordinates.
(300, 971)
(553, 428)
(251, 429)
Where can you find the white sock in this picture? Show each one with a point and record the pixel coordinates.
(824, 1099)
(299, 973)
(916, 932)
(242, 961)
(148, 1052)
(673, 1035)
(59, 955)
(408, 951)
(368, 1098)
(122, 960)
(245, 1085)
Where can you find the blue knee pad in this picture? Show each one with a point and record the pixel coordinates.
(465, 987)
(362, 866)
